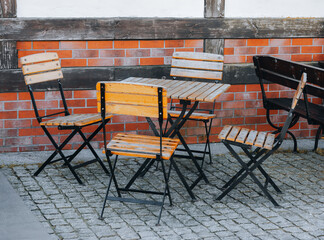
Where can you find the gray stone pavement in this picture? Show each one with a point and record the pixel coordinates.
(68, 210)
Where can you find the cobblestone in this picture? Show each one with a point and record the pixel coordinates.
(71, 211)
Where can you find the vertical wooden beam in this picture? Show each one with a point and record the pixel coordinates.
(8, 50)
(214, 9)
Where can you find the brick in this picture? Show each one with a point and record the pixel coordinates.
(302, 41)
(29, 114)
(116, 127)
(196, 131)
(312, 49)
(302, 58)
(318, 57)
(285, 50)
(162, 52)
(47, 104)
(253, 104)
(63, 53)
(100, 62)
(254, 88)
(257, 42)
(8, 96)
(185, 50)
(112, 53)
(7, 133)
(237, 88)
(74, 103)
(84, 110)
(245, 112)
(228, 51)
(233, 105)
(280, 42)
(31, 132)
(123, 119)
(73, 62)
(54, 95)
(136, 126)
(85, 94)
(8, 115)
(26, 53)
(267, 50)
(26, 95)
(46, 45)
(244, 50)
(24, 45)
(126, 44)
(249, 59)
(151, 61)
(73, 45)
(174, 43)
(92, 103)
(318, 41)
(126, 61)
(232, 121)
(43, 140)
(235, 43)
(282, 56)
(234, 59)
(85, 53)
(17, 105)
(100, 44)
(246, 96)
(17, 123)
(18, 141)
(255, 120)
(151, 43)
(225, 97)
(194, 43)
(138, 53)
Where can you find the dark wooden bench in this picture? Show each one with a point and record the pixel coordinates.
(286, 73)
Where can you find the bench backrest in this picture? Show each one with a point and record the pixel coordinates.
(289, 73)
(197, 65)
(133, 99)
(41, 67)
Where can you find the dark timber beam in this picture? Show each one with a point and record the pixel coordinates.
(8, 50)
(214, 9)
(158, 28)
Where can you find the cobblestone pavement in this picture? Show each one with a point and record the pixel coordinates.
(70, 211)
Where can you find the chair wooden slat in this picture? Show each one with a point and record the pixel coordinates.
(233, 134)
(260, 139)
(195, 115)
(74, 120)
(215, 94)
(187, 93)
(199, 56)
(43, 77)
(41, 67)
(202, 65)
(190, 73)
(268, 144)
(225, 131)
(251, 137)
(242, 135)
(40, 57)
(204, 95)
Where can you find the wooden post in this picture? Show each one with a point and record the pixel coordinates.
(8, 50)
(214, 9)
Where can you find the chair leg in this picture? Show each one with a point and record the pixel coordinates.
(166, 189)
(317, 137)
(248, 171)
(111, 178)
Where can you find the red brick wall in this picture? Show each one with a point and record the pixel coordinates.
(241, 105)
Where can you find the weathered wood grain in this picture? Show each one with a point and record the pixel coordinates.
(158, 28)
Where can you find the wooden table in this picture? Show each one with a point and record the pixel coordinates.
(186, 92)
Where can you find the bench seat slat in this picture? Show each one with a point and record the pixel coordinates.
(195, 115)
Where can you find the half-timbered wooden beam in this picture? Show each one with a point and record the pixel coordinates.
(158, 28)
(8, 50)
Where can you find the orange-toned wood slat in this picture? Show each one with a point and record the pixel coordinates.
(139, 145)
(198, 56)
(40, 57)
(211, 97)
(204, 116)
(185, 88)
(299, 91)
(233, 133)
(43, 77)
(225, 131)
(202, 90)
(74, 120)
(205, 94)
(260, 139)
(190, 73)
(41, 67)
(251, 137)
(269, 141)
(202, 65)
(186, 94)
(242, 135)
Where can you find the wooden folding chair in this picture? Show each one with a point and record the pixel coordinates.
(44, 67)
(205, 67)
(136, 100)
(266, 144)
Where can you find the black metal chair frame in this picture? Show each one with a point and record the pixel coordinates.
(58, 148)
(112, 166)
(256, 158)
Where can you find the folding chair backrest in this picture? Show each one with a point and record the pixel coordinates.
(295, 100)
(132, 99)
(41, 67)
(197, 65)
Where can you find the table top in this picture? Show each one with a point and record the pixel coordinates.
(185, 90)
